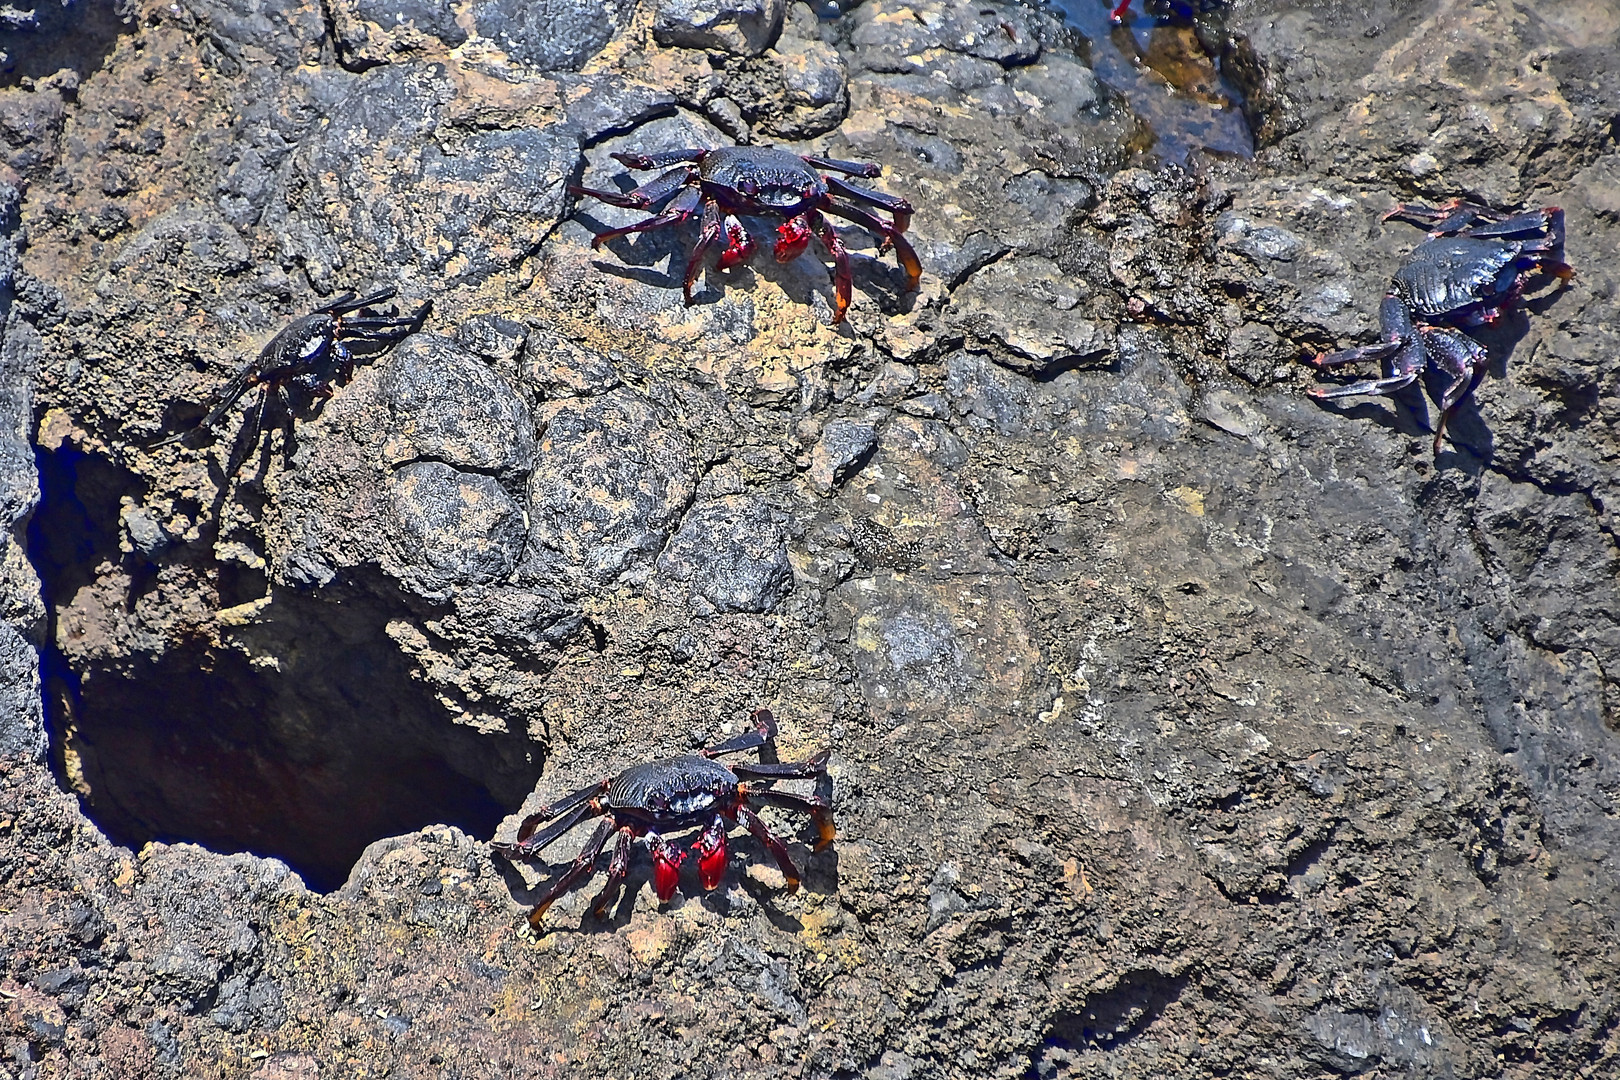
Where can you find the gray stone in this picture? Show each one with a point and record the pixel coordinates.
(451, 527)
(550, 35)
(843, 445)
(1028, 315)
(562, 368)
(436, 17)
(340, 205)
(733, 555)
(492, 337)
(743, 27)
(448, 406)
(611, 478)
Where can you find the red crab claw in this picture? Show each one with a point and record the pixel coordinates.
(739, 245)
(711, 849)
(666, 868)
(793, 236)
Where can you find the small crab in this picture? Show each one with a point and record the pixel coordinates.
(676, 793)
(1469, 273)
(309, 356)
(756, 180)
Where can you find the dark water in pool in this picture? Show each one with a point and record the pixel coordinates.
(1170, 79)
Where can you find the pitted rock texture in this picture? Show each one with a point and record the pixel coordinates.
(1181, 725)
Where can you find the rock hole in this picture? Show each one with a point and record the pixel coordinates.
(48, 35)
(301, 732)
(1106, 1021)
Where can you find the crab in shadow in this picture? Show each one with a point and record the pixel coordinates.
(303, 362)
(1470, 272)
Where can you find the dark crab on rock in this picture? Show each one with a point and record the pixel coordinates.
(670, 795)
(1469, 273)
(724, 183)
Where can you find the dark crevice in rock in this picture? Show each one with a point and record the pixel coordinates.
(41, 38)
(1113, 1018)
(303, 735)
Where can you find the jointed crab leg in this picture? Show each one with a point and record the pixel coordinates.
(1463, 359)
(903, 251)
(347, 302)
(644, 197)
(816, 806)
(617, 869)
(584, 864)
(787, 770)
(900, 208)
(575, 808)
(679, 208)
(764, 731)
(713, 231)
(867, 169)
(775, 846)
(843, 280)
(658, 160)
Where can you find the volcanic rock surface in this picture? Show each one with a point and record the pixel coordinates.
(1181, 726)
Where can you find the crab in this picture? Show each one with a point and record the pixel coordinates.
(1468, 273)
(309, 356)
(668, 795)
(723, 183)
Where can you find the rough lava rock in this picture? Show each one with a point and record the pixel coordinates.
(1180, 725)
(744, 27)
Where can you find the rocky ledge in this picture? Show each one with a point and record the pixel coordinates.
(1181, 725)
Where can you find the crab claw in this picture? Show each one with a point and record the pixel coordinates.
(666, 868)
(712, 857)
(739, 245)
(793, 236)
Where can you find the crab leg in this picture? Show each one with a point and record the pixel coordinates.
(764, 731)
(775, 846)
(246, 438)
(617, 869)
(900, 208)
(644, 197)
(583, 866)
(658, 160)
(714, 230)
(816, 806)
(578, 806)
(678, 210)
(843, 280)
(787, 770)
(1351, 356)
(867, 169)
(371, 320)
(1119, 12)
(1368, 386)
(904, 254)
(347, 302)
(1463, 359)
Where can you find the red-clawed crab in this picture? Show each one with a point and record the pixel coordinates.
(755, 180)
(1468, 273)
(671, 794)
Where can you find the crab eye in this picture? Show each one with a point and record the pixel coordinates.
(313, 346)
(748, 187)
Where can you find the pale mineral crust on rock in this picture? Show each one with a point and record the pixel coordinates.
(1181, 726)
